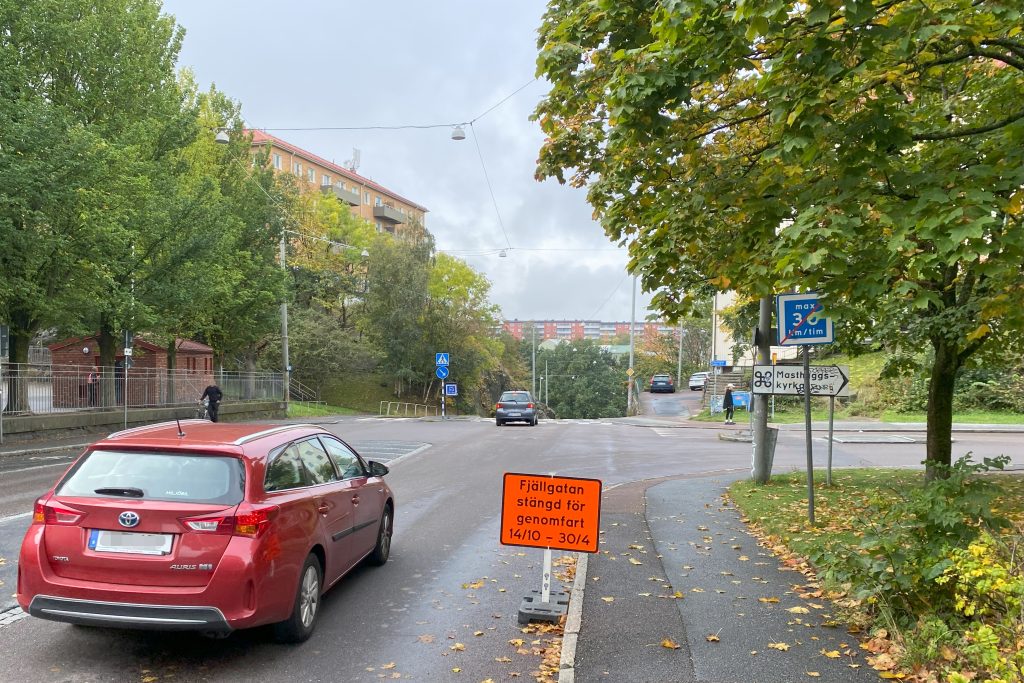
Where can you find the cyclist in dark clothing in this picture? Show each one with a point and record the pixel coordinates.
(213, 394)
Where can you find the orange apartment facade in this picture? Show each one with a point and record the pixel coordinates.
(583, 329)
(387, 210)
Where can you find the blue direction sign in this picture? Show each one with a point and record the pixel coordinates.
(441, 371)
(440, 359)
(451, 389)
(802, 321)
(718, 363)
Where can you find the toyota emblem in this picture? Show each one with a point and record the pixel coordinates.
(128, 519)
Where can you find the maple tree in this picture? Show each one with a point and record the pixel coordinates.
(870, 150)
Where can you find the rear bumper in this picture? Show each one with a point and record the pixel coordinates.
(129, 615)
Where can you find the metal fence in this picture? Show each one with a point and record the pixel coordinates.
(39, 388)
(400, 409)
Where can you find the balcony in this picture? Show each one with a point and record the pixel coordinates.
(350, 197)
(388, 214)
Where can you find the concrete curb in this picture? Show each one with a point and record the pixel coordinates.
(573, 623)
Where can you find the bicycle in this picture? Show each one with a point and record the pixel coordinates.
(203, 410)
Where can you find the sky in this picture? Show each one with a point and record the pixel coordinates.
(337, 64)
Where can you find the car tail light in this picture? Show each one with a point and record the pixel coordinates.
(254, 520)
(497, 406)
(529, 405)
(249, 521)
(48, 513)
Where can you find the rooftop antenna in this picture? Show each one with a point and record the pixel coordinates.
(181, 434)
(353, 163)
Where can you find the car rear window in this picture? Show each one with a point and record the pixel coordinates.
(661, 378)
(519, 396)
(158, 475)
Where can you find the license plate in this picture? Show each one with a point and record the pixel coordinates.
(515, 414)
(105, 541)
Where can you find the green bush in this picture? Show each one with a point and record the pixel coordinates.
(907, 544)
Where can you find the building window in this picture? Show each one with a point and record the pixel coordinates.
(277, 161)
(311, 174)
(366, 199)
(325, 179)
(376, 201)
(380, 228)
(297, 168)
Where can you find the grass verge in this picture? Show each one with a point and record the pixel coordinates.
(932, 571)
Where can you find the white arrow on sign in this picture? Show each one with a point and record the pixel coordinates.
(826, 380)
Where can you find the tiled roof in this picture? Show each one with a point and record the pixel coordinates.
(261, 138)
(189, 345)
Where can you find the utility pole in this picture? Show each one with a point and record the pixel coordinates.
(632, 326)
(533, 388)
(761, 469)
(284, 327)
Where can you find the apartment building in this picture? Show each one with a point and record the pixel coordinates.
(583, 329)
(386, 209)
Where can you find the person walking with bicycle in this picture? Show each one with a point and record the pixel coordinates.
(213, 395)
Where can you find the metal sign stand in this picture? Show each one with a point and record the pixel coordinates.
(807, 422)
(831, 418)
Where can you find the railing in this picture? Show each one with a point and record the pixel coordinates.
(401, 409)
(297, 391)
(37, 388)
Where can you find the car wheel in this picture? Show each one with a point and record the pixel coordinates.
(299, 626)
(534, 423)
(382, 550)
(497, 422)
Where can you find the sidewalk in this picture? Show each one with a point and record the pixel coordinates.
(677, 567)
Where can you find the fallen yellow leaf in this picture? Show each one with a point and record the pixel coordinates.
(670, 644)
(608, 599)
(812, 674)
(458, 647)
(831, 654)
(768, 599)
(778, 646)
(633, 560)
(798, 610)
(711, 638)
(389, 665)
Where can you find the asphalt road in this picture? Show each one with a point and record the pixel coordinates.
(448, 598)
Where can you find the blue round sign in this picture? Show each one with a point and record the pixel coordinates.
(441, 371)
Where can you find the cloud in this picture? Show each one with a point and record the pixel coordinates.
(320, 63)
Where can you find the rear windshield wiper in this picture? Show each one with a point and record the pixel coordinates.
(127, 491)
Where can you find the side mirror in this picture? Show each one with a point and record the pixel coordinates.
(377, 469)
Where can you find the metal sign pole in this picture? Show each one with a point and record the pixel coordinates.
(831, 416)
(545, 584)
(444, 396)
(807, 422)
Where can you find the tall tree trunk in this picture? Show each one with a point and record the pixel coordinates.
(940, 408)
(172, 367)
(108, 353)
(250, 372)
(22, 328)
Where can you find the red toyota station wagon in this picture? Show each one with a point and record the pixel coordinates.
(204, 526)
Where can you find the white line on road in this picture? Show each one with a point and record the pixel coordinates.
(38, 467)
(11, 518)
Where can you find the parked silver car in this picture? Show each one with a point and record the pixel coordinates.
(698, 380)
(515, 406)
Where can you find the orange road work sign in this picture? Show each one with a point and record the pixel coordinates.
(541, 511)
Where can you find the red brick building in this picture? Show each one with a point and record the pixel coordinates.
(74, 360)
